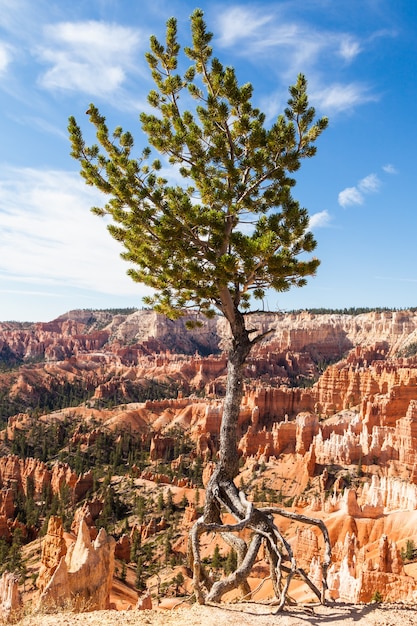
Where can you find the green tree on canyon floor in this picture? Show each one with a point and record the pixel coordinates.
(214, 243)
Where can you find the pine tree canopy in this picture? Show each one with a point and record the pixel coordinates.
(230, 229)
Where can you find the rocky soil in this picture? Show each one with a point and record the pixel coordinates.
(238, 615)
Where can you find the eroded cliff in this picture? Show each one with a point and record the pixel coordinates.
(328, 425)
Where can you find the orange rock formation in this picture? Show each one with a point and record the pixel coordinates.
(83, 578)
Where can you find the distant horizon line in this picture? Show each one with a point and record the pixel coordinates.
(354, 311)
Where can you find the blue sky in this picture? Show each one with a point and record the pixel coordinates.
(360, 59)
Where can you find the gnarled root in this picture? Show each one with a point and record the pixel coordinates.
(224, 496)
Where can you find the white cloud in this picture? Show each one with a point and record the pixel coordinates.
(355, 195)
(41, 124)
(260, 34)
(339, 97)
(389, 169)
(288, 45)
(91, 57)
(369, 184)
(320, 220)
(349, 196)
(5, 57)
(13, 13)
(49, 236)
(349, 48)
(238, 23)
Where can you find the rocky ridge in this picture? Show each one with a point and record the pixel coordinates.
(329, 334)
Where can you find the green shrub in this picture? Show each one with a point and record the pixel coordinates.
(377, 597)
(409, 351)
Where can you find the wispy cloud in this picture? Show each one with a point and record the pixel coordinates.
(13, 13)
(90, 57)
(320, 220)
(389, 169)
(276, 36)
(355, 195)
(41, 124)
(349, 48)
(338, 97)
(397, 279)
(264, 30)
(5, 57)
(236, 23)
(369, 184)
(49, 237)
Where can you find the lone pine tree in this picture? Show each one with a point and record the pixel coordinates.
(214, 243)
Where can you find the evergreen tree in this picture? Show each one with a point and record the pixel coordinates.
(231, 231)
(136, 543)
(140, 508)
(167, 547)
(178, 581)
(140, 579)
(161, 502)
(15, 562)
(231, 562)
(169, 505)
(216, 561)
(410, 550)
(4, 551)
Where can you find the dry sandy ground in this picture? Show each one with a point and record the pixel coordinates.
(238, 615)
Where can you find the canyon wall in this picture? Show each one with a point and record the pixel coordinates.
(323, 335)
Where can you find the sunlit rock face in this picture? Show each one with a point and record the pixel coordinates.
(10, 598)
(354, 578)
(83, 578)
(20, 473)
(53, 549)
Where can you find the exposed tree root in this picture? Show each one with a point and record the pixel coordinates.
(283, 566)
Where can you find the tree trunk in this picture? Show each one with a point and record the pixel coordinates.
(228, 454)
(221, 483)
(222, 494)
